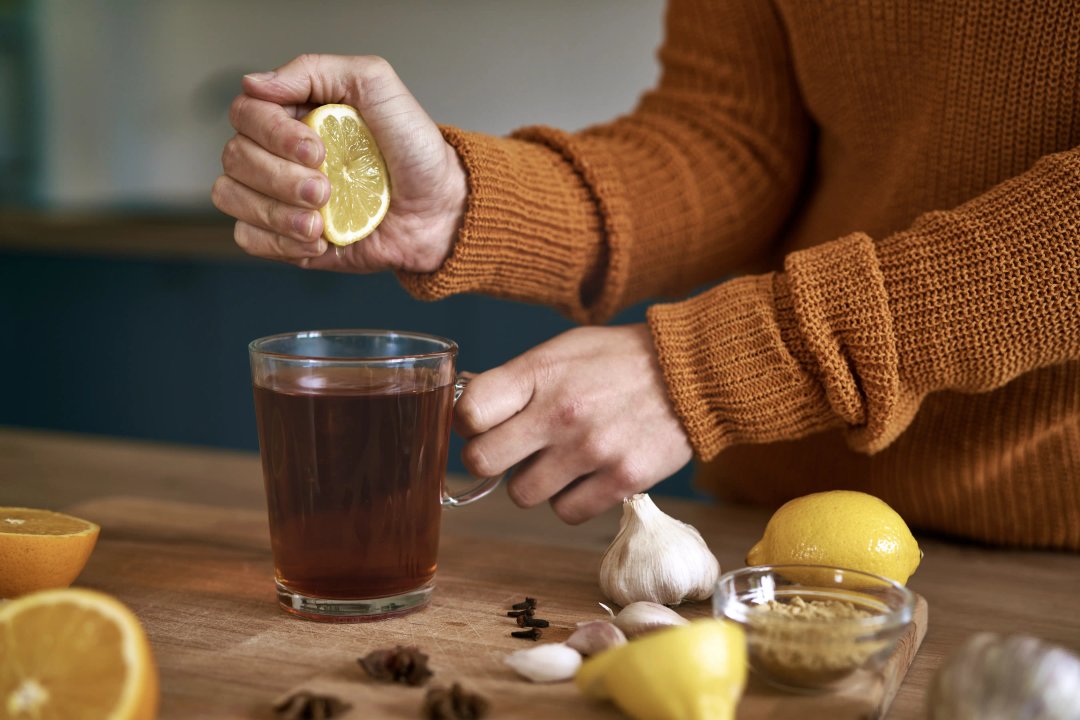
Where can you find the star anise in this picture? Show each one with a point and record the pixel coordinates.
(402, 664)
(455, 703)
(305, 705)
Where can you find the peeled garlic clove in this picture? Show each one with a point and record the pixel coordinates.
(595, 636)
(642, 617)
(1018, 677)
(656, 558)
(552, 662)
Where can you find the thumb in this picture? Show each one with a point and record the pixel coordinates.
(406, 135)
(495, 396)
(301, 80)
(360, 81)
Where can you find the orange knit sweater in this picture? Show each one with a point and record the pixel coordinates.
(909, 171)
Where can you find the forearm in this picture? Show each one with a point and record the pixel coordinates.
(530, 232)
(697, 179)
(855, 333)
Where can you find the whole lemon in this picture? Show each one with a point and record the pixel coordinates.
(690, 672)
(841, 528)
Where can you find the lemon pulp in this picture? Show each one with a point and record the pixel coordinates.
(359, 181)
(74, 654)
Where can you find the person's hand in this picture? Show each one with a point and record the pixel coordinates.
(586, 416)
(273, 189)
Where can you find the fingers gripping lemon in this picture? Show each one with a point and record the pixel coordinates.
(359, 181)
(841, 528)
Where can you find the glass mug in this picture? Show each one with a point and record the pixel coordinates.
(354, 431)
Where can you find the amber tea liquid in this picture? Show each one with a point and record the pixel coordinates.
(353, 485)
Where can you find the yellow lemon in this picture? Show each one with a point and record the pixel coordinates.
(41, 549)
(841, 528)
(590, 676)
(74, 654)
(689, 672)
(359, 181)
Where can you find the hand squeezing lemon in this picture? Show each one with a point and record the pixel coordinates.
(359, 181)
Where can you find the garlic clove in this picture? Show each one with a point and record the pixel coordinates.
(656, 558)
(643, 617)
(551, 662)
(595, 636)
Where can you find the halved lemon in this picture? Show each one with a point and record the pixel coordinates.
(41, 549)
(687, 672)
(74, 654)
(359, 182)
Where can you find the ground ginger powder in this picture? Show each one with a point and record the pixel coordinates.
(811, 655)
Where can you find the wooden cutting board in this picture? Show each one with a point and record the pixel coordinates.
(200, 579)
(868, 695)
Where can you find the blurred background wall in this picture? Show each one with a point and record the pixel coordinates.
(135, 92)
(125, 308)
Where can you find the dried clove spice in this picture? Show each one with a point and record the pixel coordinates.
(530, 634)
(527, 604)
(304, 705)
(529, 621)
(527, 612)
(405, 665)
(455, 703)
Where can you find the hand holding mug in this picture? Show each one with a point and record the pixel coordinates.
(585, 417)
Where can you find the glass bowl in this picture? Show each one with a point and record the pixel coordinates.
(809, 628)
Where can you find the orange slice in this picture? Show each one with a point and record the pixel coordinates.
(74, 654)
(40, 549)
(359, 182)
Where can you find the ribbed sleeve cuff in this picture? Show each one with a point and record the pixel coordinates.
(731, 377)
(519, 239)
(779, 356)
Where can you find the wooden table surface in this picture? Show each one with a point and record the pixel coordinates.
(184, 527)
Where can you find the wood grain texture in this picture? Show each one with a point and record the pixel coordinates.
(865, 695)
(184, 542)
(199, 578)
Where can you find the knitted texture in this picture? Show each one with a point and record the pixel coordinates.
(910, 171)
(519, 239)
(698, 179)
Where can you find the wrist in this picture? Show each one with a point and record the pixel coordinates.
(444, 225)
(457, 198)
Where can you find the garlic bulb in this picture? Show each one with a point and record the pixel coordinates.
(1017, 677)
(656, 558)
(552, 662)
(595, 636)
(642, 617)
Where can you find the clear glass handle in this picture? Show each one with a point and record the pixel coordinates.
(486, 485)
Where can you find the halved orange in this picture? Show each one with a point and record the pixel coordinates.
(74, 654)
(41, 549)
(359, 181)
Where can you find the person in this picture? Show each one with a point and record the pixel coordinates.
(895, 188)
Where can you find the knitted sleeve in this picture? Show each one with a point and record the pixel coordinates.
(855, 333)
(698, 178)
